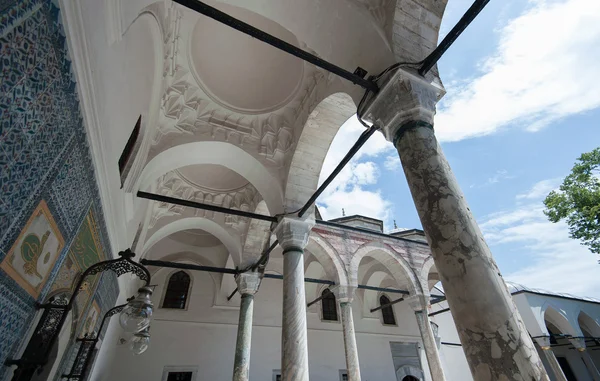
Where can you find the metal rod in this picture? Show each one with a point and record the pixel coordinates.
(233, 293)
(199, 205)
(248, 29)
(188, 266)
(387, 305)
(439, 312)
(460, 26)
(324, 294)
(362, 139)
(451, 344)
(307, 280)
(437, 300)
(222, 270)
(381, 289)
(264, 257)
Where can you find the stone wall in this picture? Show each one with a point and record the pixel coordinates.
(51, 221)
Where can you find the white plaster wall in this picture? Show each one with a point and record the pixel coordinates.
(453, 358)
(204, 336)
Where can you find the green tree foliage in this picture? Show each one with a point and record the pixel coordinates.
(578, 201)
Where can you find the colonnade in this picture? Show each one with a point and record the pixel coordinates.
(494, 338)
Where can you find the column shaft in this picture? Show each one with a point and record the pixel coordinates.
(590, 365)
(352, 365)
(492, 333)
(556, 369)
(430, 346)
(294, 346)
(241, 367)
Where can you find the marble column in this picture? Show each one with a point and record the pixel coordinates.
(544, 344)
(589, 363)
(579, 344)
(494, 338)
(419, 304)
(345, 295)
(292, 234)
(248, 284)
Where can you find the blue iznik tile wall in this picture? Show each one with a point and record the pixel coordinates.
(47, 180)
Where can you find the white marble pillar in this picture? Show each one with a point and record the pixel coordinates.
(292, 234)
(419, 304)
(579, 344)
(544, 344)
(248, 284)
(494, 338)
(589, 363)
(345, 295)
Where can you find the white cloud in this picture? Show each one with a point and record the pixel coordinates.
(365, 173)
(540, 190)
(348, 191)
(555, 261)
(543, 70)
(392, 163)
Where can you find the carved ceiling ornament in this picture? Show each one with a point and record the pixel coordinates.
(173, 184)
(382, 12)
(186, 110)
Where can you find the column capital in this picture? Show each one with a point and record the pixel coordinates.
(344, 293)
(248, 282)
(418, 302)
(578, 343)
(405, 98)
(293, 232)
(543, 342)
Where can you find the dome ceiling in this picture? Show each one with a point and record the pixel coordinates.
(213, 177)
(196, 237)
(240, 72)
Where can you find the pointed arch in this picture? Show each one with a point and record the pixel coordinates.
(317, 134)
(399, 268)
(231, 243)
(328, 257)
(217, 153)
(560, 320)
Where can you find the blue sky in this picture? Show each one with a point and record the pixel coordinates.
(522, 104)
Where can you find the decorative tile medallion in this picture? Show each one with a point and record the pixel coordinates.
(35, 251)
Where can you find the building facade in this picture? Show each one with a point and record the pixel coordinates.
(107, 104)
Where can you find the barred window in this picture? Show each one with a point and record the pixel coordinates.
(387, 312)
(177, 290)
(328, 305)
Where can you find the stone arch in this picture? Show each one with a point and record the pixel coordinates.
(216, 153)
(320, 128)
(559, 319)
(149, 115)
(428, 275)
(398, 267)
(257, 236)
(231, 243)
(409, 370)
(328, 257)
(587, 323)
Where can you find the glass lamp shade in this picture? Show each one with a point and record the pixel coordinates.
(140, 342)
(136, 316)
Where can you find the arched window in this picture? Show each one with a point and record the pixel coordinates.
(328, 305)
(177, 290)
(410, 378)
(387, 312)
